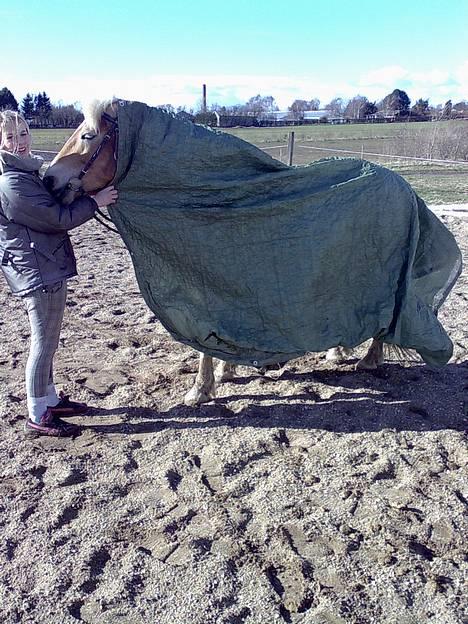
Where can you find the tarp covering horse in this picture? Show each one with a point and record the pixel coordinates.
(252, 261)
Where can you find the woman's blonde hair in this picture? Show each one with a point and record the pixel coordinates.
(8, 119)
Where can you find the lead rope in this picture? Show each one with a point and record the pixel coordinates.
(104, 216)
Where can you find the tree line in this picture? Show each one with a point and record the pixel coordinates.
(40, 112)
(396, 104)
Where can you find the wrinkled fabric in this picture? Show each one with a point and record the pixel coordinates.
(255, 262)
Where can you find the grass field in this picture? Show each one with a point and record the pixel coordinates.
(436, 183)
(381, 138)
(50, 140)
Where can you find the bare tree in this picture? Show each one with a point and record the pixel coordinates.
(168, 108)
(260, 104)
(314, 104)
(65, 116)
(297, 109)
(336, 107)
(299, 106)
(355, 109)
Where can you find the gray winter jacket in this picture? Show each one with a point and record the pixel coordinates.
(35, 249)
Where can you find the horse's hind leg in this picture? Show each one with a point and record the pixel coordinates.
(225, 371)
(204, 388)
(373, 358)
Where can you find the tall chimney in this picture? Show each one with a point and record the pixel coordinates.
(204, 98)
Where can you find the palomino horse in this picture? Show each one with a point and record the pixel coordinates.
(86, 163)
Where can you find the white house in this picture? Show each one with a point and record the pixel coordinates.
(306, 117)
(316, 115)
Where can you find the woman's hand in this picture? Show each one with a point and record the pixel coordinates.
(106, 197)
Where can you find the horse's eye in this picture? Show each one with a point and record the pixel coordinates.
(88, 136)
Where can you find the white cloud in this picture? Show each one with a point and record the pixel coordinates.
(383, 77)
(461, 75)
(432, 78)
(437, 85)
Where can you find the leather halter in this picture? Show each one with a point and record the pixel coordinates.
(71, 186)
(113, 130)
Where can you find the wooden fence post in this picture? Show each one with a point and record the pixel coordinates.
(290, 148)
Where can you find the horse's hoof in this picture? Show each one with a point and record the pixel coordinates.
(333, 355)
(196, 397)
(337, 354)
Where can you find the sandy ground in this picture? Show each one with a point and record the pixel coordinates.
(326, 496)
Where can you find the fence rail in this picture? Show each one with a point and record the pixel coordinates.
(432, 160)
(362, 153)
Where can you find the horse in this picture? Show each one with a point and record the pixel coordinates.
(87, 163)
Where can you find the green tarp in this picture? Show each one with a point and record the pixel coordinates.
(255, 262)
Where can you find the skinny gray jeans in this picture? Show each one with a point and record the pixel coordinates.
(45, 308)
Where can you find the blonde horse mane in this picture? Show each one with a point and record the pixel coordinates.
(93, 110)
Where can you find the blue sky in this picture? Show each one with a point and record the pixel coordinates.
(163, 51)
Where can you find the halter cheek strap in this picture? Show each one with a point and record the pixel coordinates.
(113, 130)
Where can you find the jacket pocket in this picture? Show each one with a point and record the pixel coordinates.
(9, 259)
(66, 247)
(63, 253)
(43, 252)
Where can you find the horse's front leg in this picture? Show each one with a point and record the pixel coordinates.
(373, 358)
(204, 387)
(225, 371)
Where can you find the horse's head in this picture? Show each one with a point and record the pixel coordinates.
(88, 160)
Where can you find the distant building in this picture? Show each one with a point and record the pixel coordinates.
(278, 118)
(322, 116)
(316, 115)
(305, 117)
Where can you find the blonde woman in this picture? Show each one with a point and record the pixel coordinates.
(37, 259)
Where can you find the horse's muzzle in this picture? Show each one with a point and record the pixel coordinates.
(66, 194)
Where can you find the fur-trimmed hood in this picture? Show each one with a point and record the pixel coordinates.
(13, 161)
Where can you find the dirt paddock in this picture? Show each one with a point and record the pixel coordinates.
(326, 496)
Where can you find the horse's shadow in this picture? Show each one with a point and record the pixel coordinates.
(404, 399)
